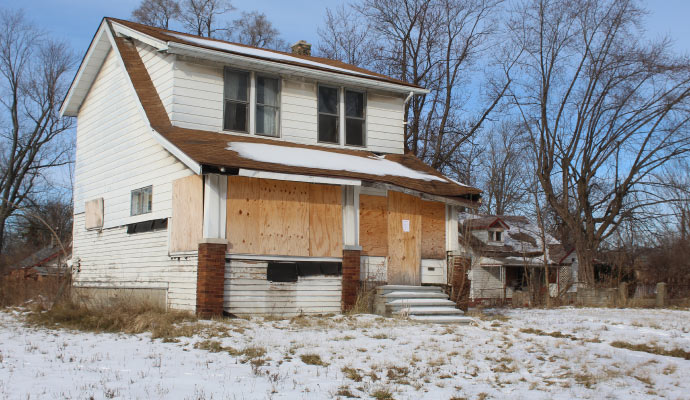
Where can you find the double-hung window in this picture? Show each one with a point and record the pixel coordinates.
(142, 200)
(354, 118)
(267, 106)
(236, 114)
(329, 119)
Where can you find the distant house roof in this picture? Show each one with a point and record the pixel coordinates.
(41, 259)
(522, 240)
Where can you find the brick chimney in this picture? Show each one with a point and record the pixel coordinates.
(301, 48)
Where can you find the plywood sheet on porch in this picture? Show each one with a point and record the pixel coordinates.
(373, 225)
(273, 217)
(433, 230)
(187, 213)
(404, 245)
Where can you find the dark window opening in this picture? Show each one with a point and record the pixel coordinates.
(148, 226)
(354, 118)
(328, 114)
(290, 271)
(236, 95)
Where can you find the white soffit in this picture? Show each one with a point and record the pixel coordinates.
(87, 72)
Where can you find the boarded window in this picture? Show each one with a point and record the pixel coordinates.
(187, 213)
(373, 225)
(433, 230)
(94, 213)
(283, 218)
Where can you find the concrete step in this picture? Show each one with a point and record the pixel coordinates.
(419, 302)
(407, 288)
(448, 310)
(442, 319)
(414, 295)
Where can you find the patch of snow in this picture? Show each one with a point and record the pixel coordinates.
(496, 359)
(326, 160)
(262, 53)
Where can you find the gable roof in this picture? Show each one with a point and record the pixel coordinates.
(201, 47)
(221, 150)
(486, 222)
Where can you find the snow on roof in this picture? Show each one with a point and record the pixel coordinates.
(312, 158)
(255, 52)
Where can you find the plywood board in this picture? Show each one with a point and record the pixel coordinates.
(187, 213)
(404, 239)
(243, 215)
(433, 230)
(373, 225)
(325, 221)
(94, 213)
(284, 218)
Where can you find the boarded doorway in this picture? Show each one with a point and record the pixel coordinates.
(404, 239)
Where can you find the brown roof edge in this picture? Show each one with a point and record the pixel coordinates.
(165, 35)
(209, 148)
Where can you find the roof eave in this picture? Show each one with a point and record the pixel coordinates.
(222, 56)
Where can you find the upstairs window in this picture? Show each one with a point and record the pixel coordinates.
(495, 236)
(236, 95)
(142, 199)
(328, 114)
(354, 118)
(267, 106)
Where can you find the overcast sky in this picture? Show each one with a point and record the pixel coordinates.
(77, 20)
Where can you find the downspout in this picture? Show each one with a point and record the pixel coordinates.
(407, 100)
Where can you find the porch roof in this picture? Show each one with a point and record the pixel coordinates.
(220, 150)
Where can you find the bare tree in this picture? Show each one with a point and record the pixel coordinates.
(505, 171)
(157, 13)
(201, 17)
(33, 68)
(347, 37)
(254, 29)
(435, 44)
(604, 110)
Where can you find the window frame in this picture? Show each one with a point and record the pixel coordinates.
(248, 101)
(253, 84)
(338, 115)
(363, 118)
(131, 201)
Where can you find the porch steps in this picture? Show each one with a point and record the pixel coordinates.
(420, 303)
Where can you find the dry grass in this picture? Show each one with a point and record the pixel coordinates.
(313, 359)
(15, 290)
(115, 316)
(676, 352)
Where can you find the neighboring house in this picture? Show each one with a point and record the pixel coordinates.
(226, 178)
(47, 262)
(507, 255)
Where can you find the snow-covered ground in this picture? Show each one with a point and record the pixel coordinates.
(362, 356)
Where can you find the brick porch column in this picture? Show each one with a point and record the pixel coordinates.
(350, 284)
(210, 278)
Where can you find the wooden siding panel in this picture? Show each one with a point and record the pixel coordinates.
(284, 218)
(187, 213)
(248, 292)
(433, 230)
(404, 248)
(243, 215)
(325, 221)
(373, 225)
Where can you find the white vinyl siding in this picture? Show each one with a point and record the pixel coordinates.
(113, 259)
(160, 68)
(198, 104)
(116, 152)
(247, 291)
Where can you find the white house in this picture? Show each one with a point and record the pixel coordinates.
(508, 254)
(219, 177)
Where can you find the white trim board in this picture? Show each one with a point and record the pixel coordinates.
(298, 178)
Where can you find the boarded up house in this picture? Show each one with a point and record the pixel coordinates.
(226, 178)
(508, 256)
